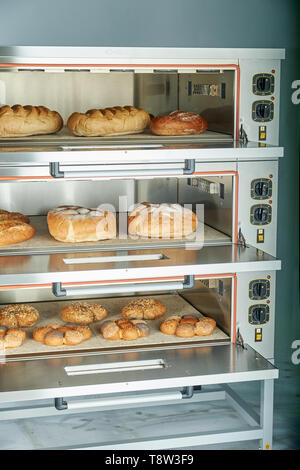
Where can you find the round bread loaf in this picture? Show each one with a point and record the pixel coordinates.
(188, 326)
(117, 120)
(79, 224)
(56, 335)
(178, 123)
(144, 308)
(11, 338)
(20, 121)
(161, 221)
(123, 329)
(83, 313)
(18, 315)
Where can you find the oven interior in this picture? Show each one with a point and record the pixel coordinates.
(210, 297)
(210, 93)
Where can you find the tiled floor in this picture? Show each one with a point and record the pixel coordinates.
(86, 428)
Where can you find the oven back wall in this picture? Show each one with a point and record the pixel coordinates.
(192, 23)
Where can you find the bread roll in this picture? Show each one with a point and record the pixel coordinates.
(117, 120)
(12, 338)
(83, 312)
(144, 308)
(188, 326)
(20, 121)
(78, 224)
(55, 335)
(161, 221)
(178, 123)
(124, 329)
(18, 315)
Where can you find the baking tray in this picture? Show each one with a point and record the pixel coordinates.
(50, 313)
(43, 242)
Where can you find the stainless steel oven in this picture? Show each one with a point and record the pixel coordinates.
(228, 176)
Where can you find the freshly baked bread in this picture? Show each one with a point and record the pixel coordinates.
(188, 326)
(56, 335)
(20, 121)
(18, 315)
(79, 224)
(124, 329)
(161, 221)
(144, 308)
(14, 227)
(83, 313)
(178, 123)
(117, 120)
(6, 215)
(12, 338)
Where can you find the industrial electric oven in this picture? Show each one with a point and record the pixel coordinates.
(228, 176)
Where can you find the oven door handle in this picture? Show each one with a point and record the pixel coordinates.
(60, 291)
(188, 169)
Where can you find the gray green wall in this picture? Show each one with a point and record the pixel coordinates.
(192, 23)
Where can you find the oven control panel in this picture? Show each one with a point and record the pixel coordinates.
(263, 111)
(261, 188)
(258, 314)
(263, 84)
(261, 214)
(259, 289)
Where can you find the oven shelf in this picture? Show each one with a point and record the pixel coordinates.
(43, 242)
(50, 314)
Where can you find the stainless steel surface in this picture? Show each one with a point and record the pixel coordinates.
(37, 379)
(49, 268)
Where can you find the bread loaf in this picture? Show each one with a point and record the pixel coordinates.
(117, 120)
(56, 335)
(83, 312)
(14, 227)
(188, 326)
(124, 329)
(20, 121)
(178, 123)
(161, 221)
(144, 308)
(80, 224)
(18, 315)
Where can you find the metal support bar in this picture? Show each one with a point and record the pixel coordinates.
(60, 291)
(266, 413)
(188, 169)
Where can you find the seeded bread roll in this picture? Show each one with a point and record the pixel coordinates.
(83, 312)
(188, 326)
(20, 121)
(117, 120)
(18, 315)
(79, 224)
(144, 308)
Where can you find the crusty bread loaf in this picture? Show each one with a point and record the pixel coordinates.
(79, 224)
(117, 120)
(20, 121)
(14, 231)
(188, 326)
(161, 221)
(178, 123)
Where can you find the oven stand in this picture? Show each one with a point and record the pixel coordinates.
(257, 426)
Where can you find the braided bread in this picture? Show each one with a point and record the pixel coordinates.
(109, 121)
(55, 335)
(188, 326)
(19, 121)
(124, 329)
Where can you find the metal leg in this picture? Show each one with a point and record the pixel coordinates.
(266, 413)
